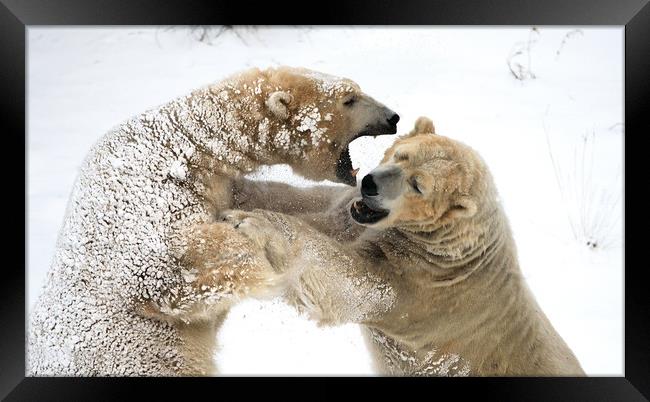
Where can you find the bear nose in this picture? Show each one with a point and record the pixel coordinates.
(394, 119)
(368, 186)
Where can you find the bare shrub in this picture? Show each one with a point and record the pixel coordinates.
(519, 54)
(592, 206)
(210, 34)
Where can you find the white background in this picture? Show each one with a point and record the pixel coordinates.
(554, 144)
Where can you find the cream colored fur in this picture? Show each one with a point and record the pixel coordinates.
(138, 285)
(436, 284)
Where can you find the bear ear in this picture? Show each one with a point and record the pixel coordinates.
(423, 125)
(463, 207)
(277, 103)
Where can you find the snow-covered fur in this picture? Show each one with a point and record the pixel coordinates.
(131, 289)
(435, 283)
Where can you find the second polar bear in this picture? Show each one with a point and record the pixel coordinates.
(123, 295)
(423, 258)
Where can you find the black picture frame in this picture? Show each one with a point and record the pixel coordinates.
(17, 15)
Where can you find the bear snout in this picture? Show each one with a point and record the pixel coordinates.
(393, 119)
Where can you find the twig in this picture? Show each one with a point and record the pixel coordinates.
(567, 36)
(517, 69)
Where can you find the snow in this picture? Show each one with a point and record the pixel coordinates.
(84, 81)
(433, 363)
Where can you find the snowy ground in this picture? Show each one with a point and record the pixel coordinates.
(554, 144)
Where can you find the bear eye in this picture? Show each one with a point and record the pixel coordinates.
(350, 101)
(401, 157)
(414, 184)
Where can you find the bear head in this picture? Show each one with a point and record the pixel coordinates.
(423, 182)
(308, 119)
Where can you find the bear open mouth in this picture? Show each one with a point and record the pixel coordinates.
(345, 172)
(362, 213)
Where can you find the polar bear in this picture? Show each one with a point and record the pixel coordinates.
(424, 259)
(123, 295)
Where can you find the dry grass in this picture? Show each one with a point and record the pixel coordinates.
(592, 207)
(519, 54)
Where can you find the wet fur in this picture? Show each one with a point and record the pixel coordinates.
(135, 286)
